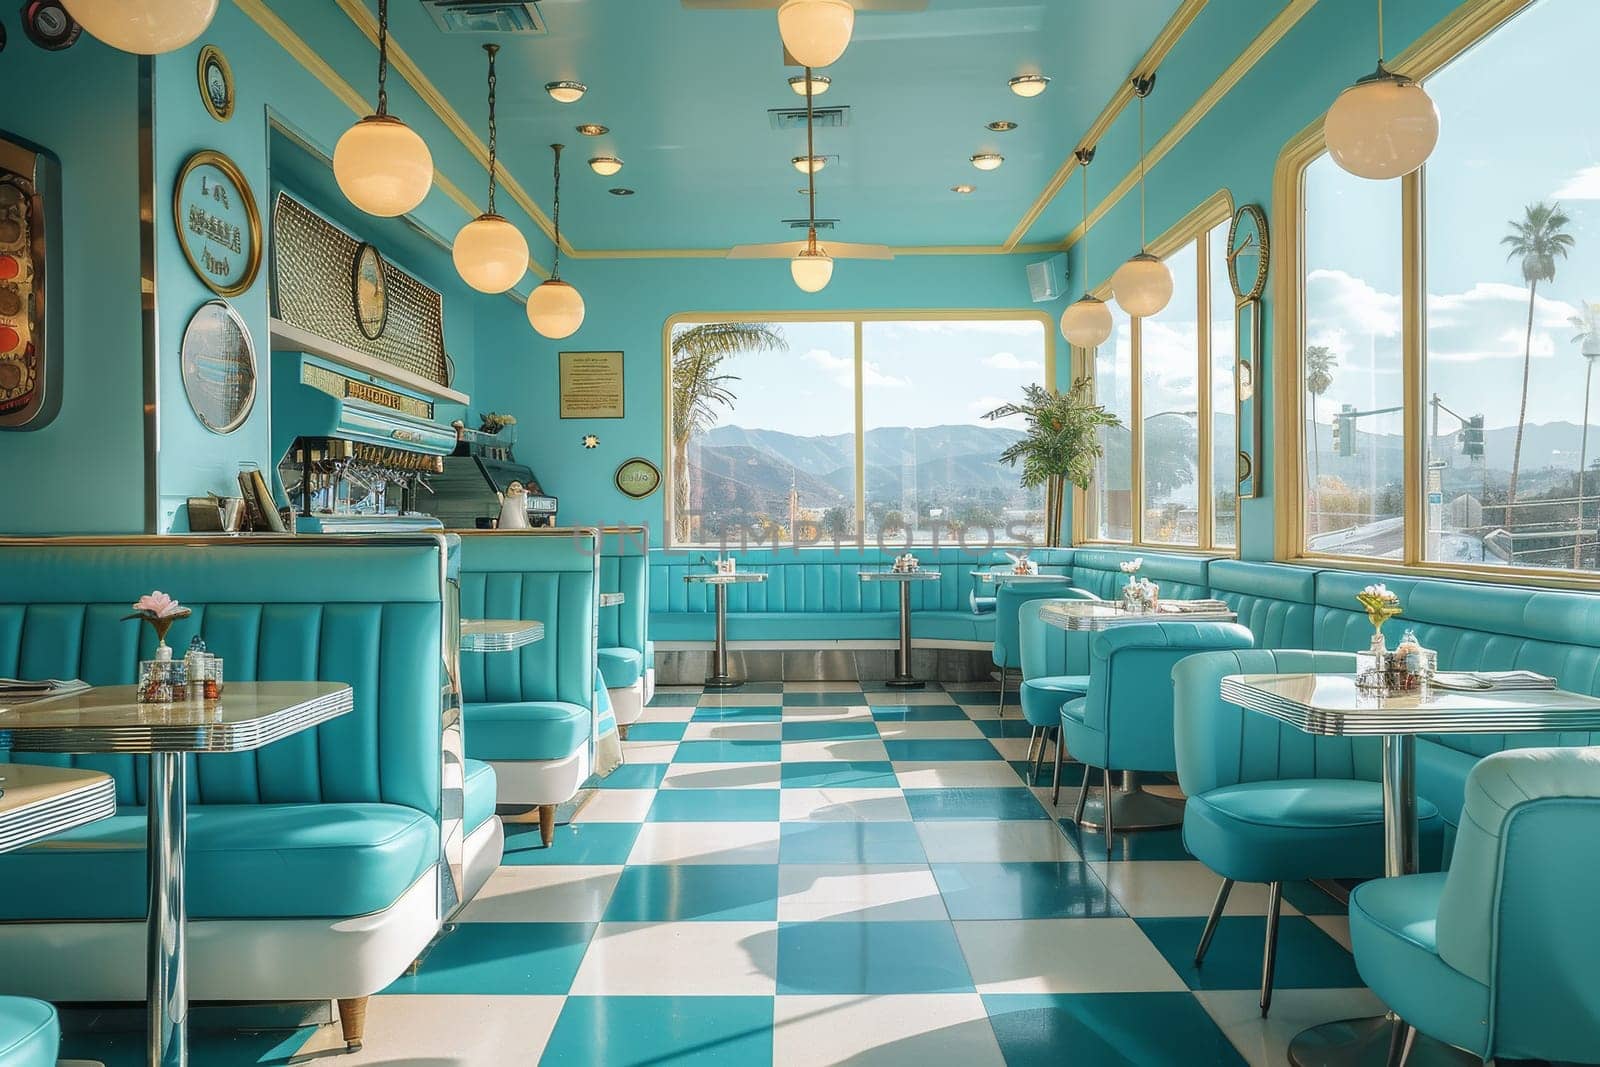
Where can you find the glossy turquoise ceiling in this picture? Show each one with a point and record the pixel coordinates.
(686, 95)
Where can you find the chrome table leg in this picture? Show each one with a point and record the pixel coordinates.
(902, 657)
(166, 982)
(719, 678)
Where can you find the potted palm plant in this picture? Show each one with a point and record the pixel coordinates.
(1061, 444)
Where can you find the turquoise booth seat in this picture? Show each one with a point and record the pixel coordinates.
(1124, 722)
(624, 628)
(1501, 956)
(532, 714)
(1055, 668)
(1270, 803)
(30, 1034)
(1006, 652)
(315, 865)
(1276, 601)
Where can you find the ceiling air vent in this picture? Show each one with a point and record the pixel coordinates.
(794, 118)
(486, 16)
(804, 224)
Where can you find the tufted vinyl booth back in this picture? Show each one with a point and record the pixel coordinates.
(625, 568)
(368, 612)
(1099, 570)
(1277, 602)
(550, 575)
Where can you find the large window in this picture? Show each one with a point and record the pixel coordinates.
(1450, 331)
(800, 430)
(1167, 477)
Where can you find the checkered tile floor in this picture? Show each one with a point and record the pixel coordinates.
(818, 874)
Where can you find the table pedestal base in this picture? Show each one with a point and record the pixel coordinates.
(1359, 1042)
(1132, 808)
(905, 682)
(722, 681)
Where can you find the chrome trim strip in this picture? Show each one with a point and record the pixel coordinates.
(150, 323)
(88, 803)
(1369, 723)
(523, 633)
(157, 737)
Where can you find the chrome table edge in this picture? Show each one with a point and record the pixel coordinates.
(89, 801)
(1064, 619)
(1356, 722)
(502, 641)
(613, 600)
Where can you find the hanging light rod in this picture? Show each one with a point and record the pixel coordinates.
(490, 254)
(1143, 285)
(380, 163)
(1087, 321)
(555, 308)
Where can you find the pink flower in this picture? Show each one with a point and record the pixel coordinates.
(158, 605)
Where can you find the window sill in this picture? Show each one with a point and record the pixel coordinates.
(1577, 581)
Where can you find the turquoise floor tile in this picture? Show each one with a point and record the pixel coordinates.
(662, 1032)
(737, 713)
(918, 713)
(1024, 891)
(983, 698)
(1142, 845)
(863, 774)
(1006, 804)
(206, 1047)
(824, 700)
(674, 700)
(666, 893)
(585, 844)
(1309, 900)
(924, 751)
(870, 957)
(893, 697)
(635, 776)
(714, 805)
(728, 752)
(501, 958)
(1012, 727)
(1107, 1030)
(839, 730)
(850, 842)
(657, 731)
(1307, 957)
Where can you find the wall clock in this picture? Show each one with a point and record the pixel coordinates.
(219, 227)
(369, 292)
(1248, 253)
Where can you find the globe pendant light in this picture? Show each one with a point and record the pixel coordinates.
(816, 32)
(812, 267)
(1384, 126)
(1087, 322)
(382, 166)
(490, 253)
(1143, 285)
(555, 308)
(144, 27)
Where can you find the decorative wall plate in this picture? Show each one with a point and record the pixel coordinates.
(219, 367)
(219, 227)
(216, 83)
(638, 478)
(369, 291)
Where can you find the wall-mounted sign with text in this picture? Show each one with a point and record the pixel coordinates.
(218, 224)
(591, 385)
(638, 478)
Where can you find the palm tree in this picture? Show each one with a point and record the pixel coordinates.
(1320, 362)
(1536, 242)
(698, 388)
(1588, 326)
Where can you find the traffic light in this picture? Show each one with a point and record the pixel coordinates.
(1344, 434)
(1472, 437)
(1338, 436)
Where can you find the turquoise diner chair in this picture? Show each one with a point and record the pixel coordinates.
(1270, 803)
(1008, 600)
(30, 1036)
(1500, 956)
(1124, 722)
(1055, 669)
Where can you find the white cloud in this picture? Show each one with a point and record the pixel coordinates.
(1584, 185)
(1009, 361)
(842, 369)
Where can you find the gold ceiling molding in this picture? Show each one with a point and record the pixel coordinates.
(900, 250)
(1263, 43)
(1458, 31)
(274, 27)
(1169, 36)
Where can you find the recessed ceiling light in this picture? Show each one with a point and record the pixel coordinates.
(964, 189)
(605, 166)
(1002, 126)
(809, 164)
(594, 129)
(566, 92)
(988, 160)
(621, 191)
(820, 83)
(1029, 84)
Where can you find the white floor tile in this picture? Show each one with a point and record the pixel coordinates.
(736, 698)
(723, 776)
(648, 751)
(1064, 956)
(898, 892)
(733, 731)
(680, 959)
(616, 805)
(553, 894)
(833, 804)
(1019, 748)
(1022, 841)
(908, 698)
(1335, 926)
(1158, 888)
(660, 714)
(706, 842)
(846, 713)
(957, 774)
(861, 749)
(955, 730)
(992, 711)
(1265, 1042)
(884, 1031)
(461, 1031)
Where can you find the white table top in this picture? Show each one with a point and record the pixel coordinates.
(999, 577)
(736, 578)
(110, 719)
(1332, 704)
(499, 635)
(899, 576)
(613, 600)
(1104, 614)
(38, 801)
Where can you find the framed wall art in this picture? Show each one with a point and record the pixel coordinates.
(637, 478)
(216, 83)
(369, 291)
(219, 227)
(219, 367)
(591, 385)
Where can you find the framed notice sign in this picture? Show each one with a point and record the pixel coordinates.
(591, 385)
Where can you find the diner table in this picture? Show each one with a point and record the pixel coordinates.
(499, 635)
(1333, 705)
(719, 582)
(1004, 577)
(903, 678)
(1136, 807)
(109, 719)
(38, 801)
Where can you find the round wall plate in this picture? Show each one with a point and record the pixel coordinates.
(637, 478)
(216, 83)
(219, 367)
